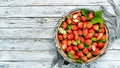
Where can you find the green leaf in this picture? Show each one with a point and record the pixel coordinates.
(102, 40)
(78, 50)
(70, 55)
(97, 17)
(94, 39)
(85, 12)
(78, 41)
(86, 45)
(79, 61)
(69, 26)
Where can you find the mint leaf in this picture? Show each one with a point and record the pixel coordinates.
(70, 55)
(97, 17)
(79, 61)
(85, 12)
(94, 39)
(78, 41)
(69, 26)
(78, 50)
(86, 45)
(102, 40)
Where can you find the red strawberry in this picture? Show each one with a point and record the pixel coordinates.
(89, 35)
(83, 18)
(64, 36)
(74, 42)
(60, 37)
(95, 27)
(75, 48)
(93, 47)
(69, 21)
(85, 51)
(74, 23)
(88, 25)
(79, 18)
(82, 39)
(77, 38)
(89, 55)
(69, 49)
(64, 25)
(80, 54)
(90, 15)
(79, 13)
(69, 31)
(88, 42)
(102, 30)
(74, 27)
(81, 46)
(96, 52)
(95, 43)
(64, 44)
(90, 48)
(100, 45)
(75, 33)
(91, 31)
(84, 58)
(76, 57)
(80, 32)
(75, 16)
(85, 32)
(100, 35)
(80, 25)
(96, 35)
(69, 42)
(75, 20)
(71, 36)
(72, 52)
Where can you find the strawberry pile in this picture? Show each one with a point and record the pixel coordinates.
(82, 35)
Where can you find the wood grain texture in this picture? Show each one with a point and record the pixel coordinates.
(42, 11)
(51, 2)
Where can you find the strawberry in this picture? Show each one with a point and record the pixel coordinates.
(75, 33)
(80, 32)
(80, 25)
(95, 27)
(89, 35)
(75, 48)
(64, 44)
(70, 36)
(80, 54)
(74, 23)
(85, 51)
(74, 42)
(102, 30)
(60, 37)
(91, 31)
(69, 49)
(100, 45)
(77, 38)
(81, 46)
(74, 27)
(90, 15)
(84, 58)
(82, 39)
(69, 42)
(69, 20)
(85, 32)
(76, 57)
(90, 48)
(64, 25)
(93, 47)
(83, 18)
(79, 13)
(95, 43)
(97, 51)
(79, 18)
(72, 52)
(89, 55)
(64, 36)
(100, 35)
(75, 20)
(96, 34)
(88, 25)
(88, 42)
(69, 31)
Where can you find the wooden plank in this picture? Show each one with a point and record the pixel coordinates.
(36, 44)
(17, 56)
(28, 22)
(46, 64)
(42, 11)
(51, 2)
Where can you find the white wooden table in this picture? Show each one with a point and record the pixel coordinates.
(27, 28)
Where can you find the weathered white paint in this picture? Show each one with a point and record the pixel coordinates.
(42, 11)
